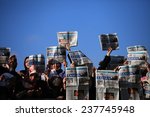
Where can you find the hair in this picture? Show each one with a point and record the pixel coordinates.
(25, 62)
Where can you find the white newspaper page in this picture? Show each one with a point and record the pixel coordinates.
(79, 58)
(69, 38)
(136, 48)
(71, 77)
(82, 75)
(57, 53)
(72, 93)
(111, 94)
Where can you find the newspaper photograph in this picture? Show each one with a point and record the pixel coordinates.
(77, 93)
(69, 38)
(100, 93)
(71, 77)
(83, 92)
(57, 53)
(72, 93)
(111, 94)
(82, 75)
(109, 40)
(4, 55)
(78, 58)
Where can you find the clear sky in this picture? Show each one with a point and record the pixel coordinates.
(30, 26)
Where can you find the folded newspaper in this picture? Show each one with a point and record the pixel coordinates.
(57, 53)
(69, 38)
(4, 55)
(109, 40)
(78, 58)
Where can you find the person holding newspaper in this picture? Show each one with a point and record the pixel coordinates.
(104, 63)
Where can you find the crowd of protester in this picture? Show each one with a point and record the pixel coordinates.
(51, 84)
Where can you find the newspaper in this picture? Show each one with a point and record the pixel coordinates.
(69, 38)
(71, 77)
(82, 75)
(111, 94)
(107, 78)
(39, 61)
(77, 93)
(147, 91)
(72, 93)
(137, 58)
(100, 93)
(107, 93)
(129, 74)
(77, 76)
(4, 55)
(57, 53)
(79, 58)
(136, 48)
(115, 61)
(109, 40)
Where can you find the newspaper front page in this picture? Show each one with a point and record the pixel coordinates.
(67, 38)
(107, 85)
(71, 77)
(57, 53)
(109, 40)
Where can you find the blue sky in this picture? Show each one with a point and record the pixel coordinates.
(30, 26)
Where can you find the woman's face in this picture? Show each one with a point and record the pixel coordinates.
(12, 62)
(27, 63)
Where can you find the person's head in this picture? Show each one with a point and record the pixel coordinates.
(50, 64)
(12, 62)
(56, 65)
(26, 63)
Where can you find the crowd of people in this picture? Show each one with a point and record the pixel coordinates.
(51, 84)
